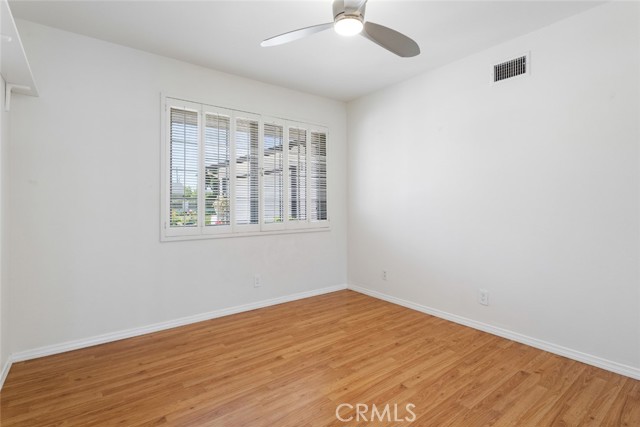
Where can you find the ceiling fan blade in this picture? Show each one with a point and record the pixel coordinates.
(295, 35)
(391, 40)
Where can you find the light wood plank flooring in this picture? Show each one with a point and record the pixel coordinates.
(293, 364)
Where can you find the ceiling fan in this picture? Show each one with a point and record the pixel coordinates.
(348, 20)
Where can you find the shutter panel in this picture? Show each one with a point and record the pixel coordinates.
(247, 199)
(318, 176)
(217, 154)
(184, 162)
(297, 154)
(273, 174)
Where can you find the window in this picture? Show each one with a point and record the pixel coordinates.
(184, 166)
(273, 175)
(247, 171)
(297, 174)
(318, 176)
(217, 170)
(228, 172)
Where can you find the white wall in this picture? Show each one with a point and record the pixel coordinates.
(4, 300)
(85, 197)
(528, 188)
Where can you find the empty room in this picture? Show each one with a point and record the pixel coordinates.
(324, 213)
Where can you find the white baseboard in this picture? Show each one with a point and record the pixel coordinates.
(589, 359)
(5, 372)
(129, 333)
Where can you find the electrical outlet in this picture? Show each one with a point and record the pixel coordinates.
(257, 281)
(384, 275)
(483, 297)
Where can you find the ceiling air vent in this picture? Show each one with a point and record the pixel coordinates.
(512, 68)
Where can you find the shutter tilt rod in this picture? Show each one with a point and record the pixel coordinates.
(7, 94)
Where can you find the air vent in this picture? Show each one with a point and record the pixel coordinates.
(509, 69)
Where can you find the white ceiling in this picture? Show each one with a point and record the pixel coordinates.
(226, 35)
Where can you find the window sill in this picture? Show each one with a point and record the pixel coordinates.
(315, 229)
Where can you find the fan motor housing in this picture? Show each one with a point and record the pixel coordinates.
(340, 12)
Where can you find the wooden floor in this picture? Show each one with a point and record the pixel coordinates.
(294, 364)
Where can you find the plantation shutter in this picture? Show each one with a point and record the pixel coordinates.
(231, 173)
(318, 176)
(247, 171)
(273, 174)
(297, 174)
(217, 153)
(184, 165)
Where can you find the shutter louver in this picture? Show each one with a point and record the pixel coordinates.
(318, 176)
(184, 160)
(247, 171)
(217, 201)
(273, 175)
(297, 174)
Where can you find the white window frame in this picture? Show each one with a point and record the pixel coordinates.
(201, 231)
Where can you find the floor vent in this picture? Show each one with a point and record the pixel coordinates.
(512, 68)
